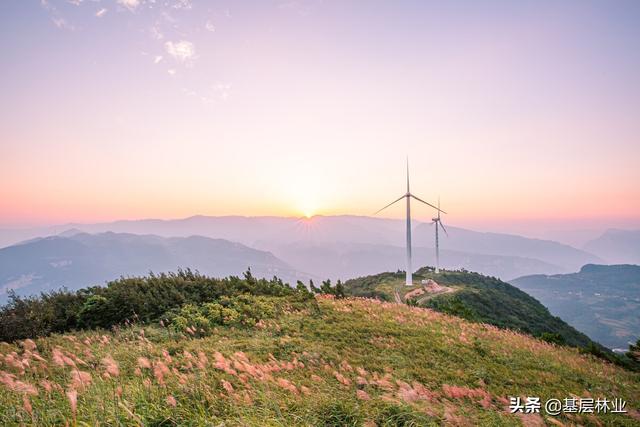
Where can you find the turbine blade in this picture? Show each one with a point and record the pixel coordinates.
(443, 229)
(426, 203)
(397, 200)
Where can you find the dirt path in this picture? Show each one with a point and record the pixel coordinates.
(430, 291)
(445, 290)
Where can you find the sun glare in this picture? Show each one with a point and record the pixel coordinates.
(307, 192)
(307, 208)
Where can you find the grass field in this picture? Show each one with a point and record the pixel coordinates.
(348, 362)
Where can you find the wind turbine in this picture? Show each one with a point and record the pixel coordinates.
(408, 196)
(438, 223)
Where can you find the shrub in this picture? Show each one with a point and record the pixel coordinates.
(93, 312)
(553, 338)
(145, 298)
(242, 311)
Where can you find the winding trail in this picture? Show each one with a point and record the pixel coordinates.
(447, 290)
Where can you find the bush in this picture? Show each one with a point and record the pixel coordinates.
(35, 316)
(553, 338)
(241, 311)
(145, 298)
(454, 306)
(93, 312)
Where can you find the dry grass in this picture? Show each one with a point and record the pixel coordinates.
(359, 362)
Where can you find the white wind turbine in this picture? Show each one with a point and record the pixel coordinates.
(408, 196)
(438, 223)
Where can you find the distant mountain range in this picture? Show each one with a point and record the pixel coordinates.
(563, 257)
(77, 260)
(348, 260)
(601, 301)
(348, 246)
(617, 246)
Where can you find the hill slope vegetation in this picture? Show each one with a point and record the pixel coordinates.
(256, 352)
(476, 298)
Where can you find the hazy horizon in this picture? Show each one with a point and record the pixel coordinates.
(574, 233)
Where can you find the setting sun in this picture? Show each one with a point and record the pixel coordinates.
(307, 207)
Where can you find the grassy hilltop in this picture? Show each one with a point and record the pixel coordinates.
(269, 355)
(475, 297)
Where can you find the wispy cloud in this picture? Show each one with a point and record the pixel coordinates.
(56, 18)
(210, 27)
(182, 4)
(101, 13)
(182, 51)
(155, 32)
(157, 59)
(62, 23)
(129, 4)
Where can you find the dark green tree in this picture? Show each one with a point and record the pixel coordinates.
(339, 290)
(94, 312)
(313, 287)
(326, 287)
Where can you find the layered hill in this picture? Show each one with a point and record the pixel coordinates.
(501, 244)
(349, 260)
(602, 301)
(472, 296)
(74, 260)
(328, 362)
(347, 246)
(617, 246)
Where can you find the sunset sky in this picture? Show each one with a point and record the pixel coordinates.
(513, 112)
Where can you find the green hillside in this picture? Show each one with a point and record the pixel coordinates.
(185, 349)
(476, 298)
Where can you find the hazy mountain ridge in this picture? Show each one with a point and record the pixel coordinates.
(349, 260)
(617, 246)
(600, 300)
(548, 251)
(355, 245)
(84, 259)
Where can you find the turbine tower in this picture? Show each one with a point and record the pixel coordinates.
(408, 196)
(438, 223)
